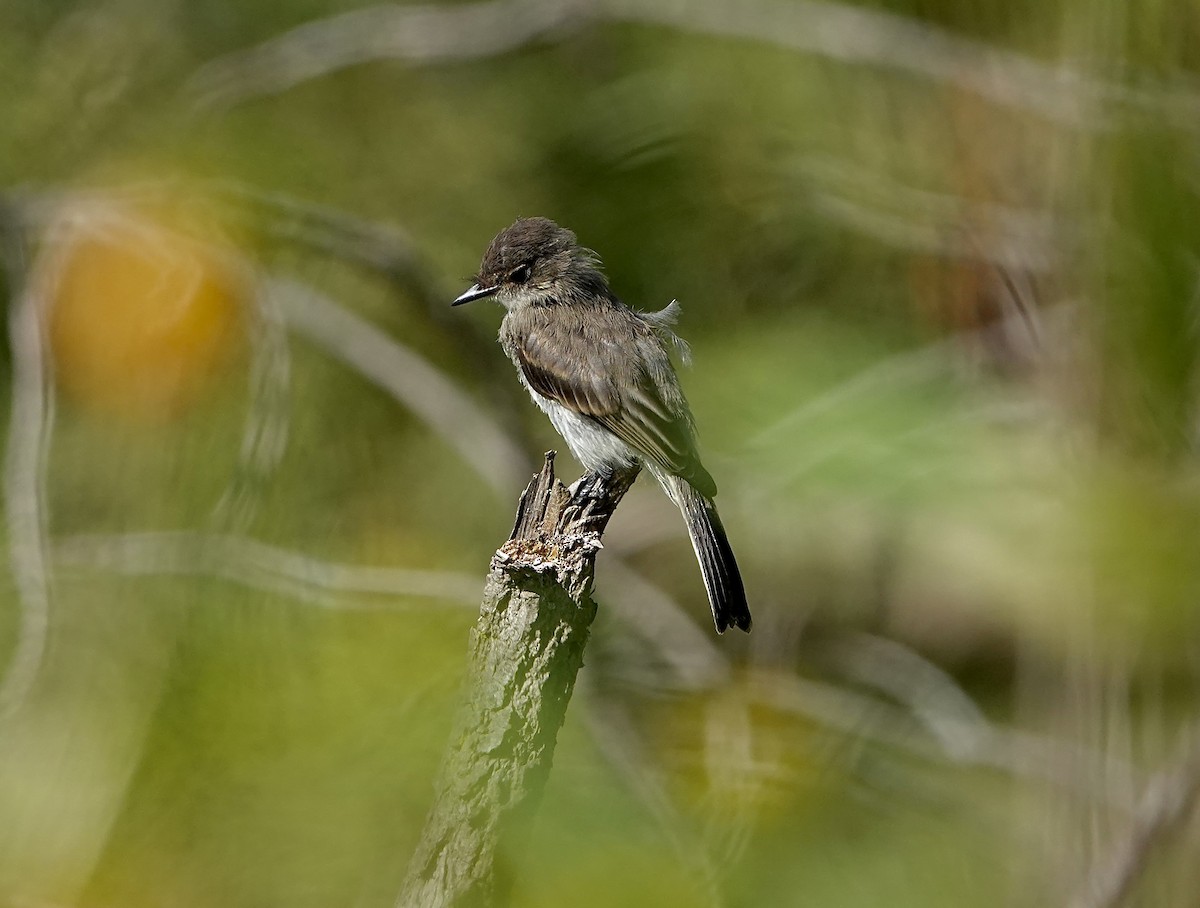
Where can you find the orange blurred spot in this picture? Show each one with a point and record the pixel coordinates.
(141, 319)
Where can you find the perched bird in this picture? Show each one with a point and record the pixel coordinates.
(602, 373)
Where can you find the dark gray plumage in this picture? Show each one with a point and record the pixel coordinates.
(603, 374)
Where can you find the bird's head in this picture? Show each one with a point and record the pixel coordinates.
(536, 263)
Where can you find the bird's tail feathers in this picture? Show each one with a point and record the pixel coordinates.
(722, 579)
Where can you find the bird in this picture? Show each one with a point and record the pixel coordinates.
(602, 372)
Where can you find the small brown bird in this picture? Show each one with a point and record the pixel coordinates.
(603, 374)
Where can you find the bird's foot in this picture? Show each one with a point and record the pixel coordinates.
(590, 487)
(594, 496)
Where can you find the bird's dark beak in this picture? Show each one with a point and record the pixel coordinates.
(475, 293)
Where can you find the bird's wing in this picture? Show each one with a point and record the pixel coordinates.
(579, 374)
(573, 376)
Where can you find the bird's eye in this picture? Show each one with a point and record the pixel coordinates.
(521, 274)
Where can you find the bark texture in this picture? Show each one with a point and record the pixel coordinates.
(525, 652)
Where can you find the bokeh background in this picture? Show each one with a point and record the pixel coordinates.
(938, 262)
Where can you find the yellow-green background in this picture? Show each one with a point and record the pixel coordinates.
(973, 558)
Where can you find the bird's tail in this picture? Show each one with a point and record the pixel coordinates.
(722, 579)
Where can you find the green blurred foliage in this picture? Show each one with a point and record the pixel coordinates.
(1022, 521)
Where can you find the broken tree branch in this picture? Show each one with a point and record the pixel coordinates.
(525, 652)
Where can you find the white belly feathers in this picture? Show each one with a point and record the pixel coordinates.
(593, 446)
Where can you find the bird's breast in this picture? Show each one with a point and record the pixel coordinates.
(593, 445)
